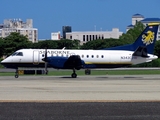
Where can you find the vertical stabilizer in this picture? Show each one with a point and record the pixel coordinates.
(146, 40)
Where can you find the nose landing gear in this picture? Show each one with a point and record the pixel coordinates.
(16, 74)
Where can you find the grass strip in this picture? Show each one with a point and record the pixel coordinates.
(95, 72)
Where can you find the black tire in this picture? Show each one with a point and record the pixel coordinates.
(16, 76)
(74, 75)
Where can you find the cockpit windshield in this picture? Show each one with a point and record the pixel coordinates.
(14, 54)
(17, 54)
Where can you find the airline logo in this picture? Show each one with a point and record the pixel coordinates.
(148, 37)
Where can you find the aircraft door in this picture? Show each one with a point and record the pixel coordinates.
(36, 57)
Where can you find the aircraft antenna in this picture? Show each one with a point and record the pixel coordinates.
(63, 48)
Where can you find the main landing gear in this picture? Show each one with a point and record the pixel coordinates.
(16, 74)
(74, 75)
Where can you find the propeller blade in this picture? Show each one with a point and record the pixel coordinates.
(46, 70)
(46, 63)
(45, 55)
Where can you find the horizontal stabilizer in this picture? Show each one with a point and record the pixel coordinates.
(141, 51)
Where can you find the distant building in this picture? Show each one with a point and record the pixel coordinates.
(145, 21)
(17, 25)
(55, 36)
(66, 29)
(86, 36)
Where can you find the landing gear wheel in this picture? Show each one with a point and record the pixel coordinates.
(74, 75)
(16, 73)
(46, 72)
(16, 76)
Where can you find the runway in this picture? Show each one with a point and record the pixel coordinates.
(135, 97)
(83, 88)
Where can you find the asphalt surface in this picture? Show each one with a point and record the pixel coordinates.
(81, 111)
(135, 97)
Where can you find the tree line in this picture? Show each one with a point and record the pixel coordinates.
(16, 41)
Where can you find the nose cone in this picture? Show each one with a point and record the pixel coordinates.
(3, 61)
(7, 63)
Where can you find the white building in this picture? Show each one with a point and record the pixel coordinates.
(55, 36)
(145, 21)
(17, 25)
(86, 36)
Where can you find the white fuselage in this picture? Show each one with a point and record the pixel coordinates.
(110, 57)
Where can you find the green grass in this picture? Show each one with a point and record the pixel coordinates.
(107, 72)
(7, 74)
(133, 72)
(95, 72)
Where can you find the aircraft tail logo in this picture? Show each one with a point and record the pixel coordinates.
(148, 38)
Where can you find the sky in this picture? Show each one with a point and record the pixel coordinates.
(83, 15)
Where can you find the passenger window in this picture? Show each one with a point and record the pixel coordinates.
(102, 56)
(87, 56)
(92, 56)
(19, 54)
(97, 56)
(82, 56)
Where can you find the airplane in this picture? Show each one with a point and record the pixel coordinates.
(139, 52)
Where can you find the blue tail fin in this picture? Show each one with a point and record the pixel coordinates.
(146, 39)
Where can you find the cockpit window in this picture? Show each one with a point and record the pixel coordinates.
(19, 54)
(14, 54)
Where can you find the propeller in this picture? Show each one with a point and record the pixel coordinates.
(45, 60)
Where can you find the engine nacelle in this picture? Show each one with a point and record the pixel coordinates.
(73, 62)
